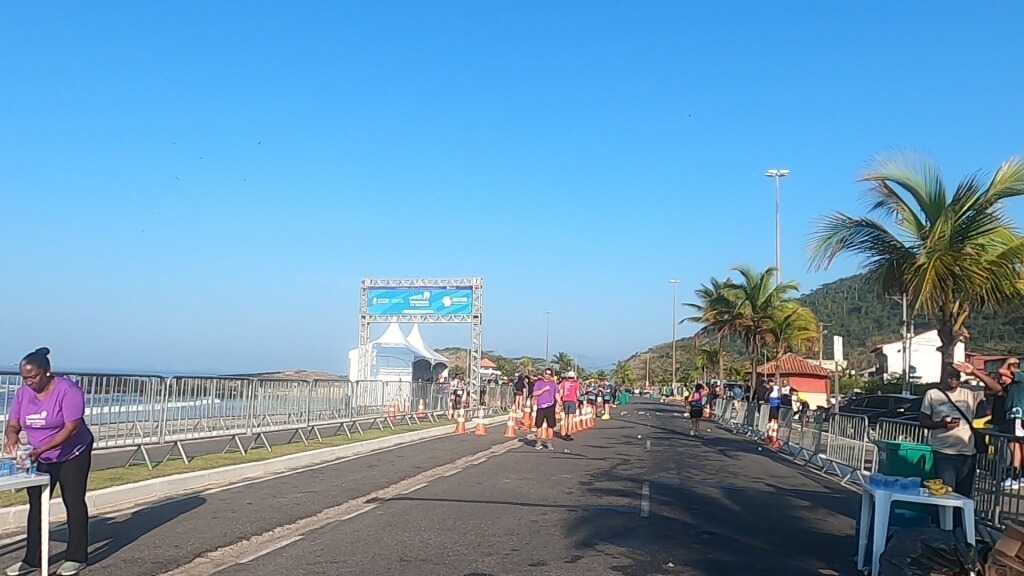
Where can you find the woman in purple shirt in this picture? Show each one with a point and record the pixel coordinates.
(51, 411)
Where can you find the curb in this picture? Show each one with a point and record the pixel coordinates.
(132, 495)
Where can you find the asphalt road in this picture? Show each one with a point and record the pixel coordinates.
(473, 506)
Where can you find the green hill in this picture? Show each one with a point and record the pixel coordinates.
(855, 309)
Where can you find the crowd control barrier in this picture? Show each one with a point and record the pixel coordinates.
(847, 447)
(142, 411)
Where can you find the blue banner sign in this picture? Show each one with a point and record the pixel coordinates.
(394, 301)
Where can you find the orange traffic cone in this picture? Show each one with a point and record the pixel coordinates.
(421, 412)
(392, 411)
(460, 422)
(481, 428)
(529, 417)
(510, 428)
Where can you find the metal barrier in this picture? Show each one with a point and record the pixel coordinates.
(846, 446)
(143, 411)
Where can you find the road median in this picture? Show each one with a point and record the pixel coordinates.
(118, 489)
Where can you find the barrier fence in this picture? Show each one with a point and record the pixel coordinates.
(847, 446)
(143, 411)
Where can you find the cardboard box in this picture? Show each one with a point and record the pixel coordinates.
(1007, 558)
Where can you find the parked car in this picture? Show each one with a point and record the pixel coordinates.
(878, 406)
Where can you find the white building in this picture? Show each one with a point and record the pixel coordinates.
(925, 359)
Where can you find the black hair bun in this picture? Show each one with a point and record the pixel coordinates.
(44, 351)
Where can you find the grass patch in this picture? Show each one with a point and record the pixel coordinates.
(109, 477)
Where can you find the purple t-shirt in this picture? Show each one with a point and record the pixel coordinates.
(547, 397)
(43, 419)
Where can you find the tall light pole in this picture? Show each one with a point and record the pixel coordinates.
(675, 285)
(547, 340)
(778, 174)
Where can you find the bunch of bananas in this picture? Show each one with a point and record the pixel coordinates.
(937, 488)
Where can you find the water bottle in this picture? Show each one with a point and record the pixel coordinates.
(25, 464)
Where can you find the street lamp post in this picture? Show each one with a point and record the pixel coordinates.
(675, 285)
(778, 174)
(547, 340)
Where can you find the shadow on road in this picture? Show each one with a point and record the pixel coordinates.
(717, 506)
(108, 536)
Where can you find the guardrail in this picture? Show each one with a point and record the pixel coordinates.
(143, 411)
(846, 446)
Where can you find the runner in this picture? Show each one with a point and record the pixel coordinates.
(545, 394)
(458, 394)
(570, 393)
(609, 399)
(696, 409)
(518, 391)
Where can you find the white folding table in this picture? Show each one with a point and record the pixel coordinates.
(19, 481)
(876, 502)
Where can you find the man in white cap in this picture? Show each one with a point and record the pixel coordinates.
(569, 392)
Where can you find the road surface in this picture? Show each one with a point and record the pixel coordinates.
(472, 506)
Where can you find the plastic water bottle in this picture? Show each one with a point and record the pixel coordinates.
(25, 464)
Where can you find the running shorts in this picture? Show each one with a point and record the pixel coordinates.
(569, 407)
(773, 412)
(696, 412)
(546, 415)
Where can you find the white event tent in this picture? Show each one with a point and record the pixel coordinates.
(396, 358)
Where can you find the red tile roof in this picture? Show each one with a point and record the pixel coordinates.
(486, 363)
(793, 365)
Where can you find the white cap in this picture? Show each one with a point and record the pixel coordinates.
(570, 374)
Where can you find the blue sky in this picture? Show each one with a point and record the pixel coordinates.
(200, 186)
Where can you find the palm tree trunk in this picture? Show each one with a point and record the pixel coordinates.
(949, 339)
(753, 371)
(721, 361)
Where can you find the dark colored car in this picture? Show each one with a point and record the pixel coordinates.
(888, 406)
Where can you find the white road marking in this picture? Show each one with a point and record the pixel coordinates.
(358, 512)
(414, 488)
(645, 501)
(270, 549)
(214, 561)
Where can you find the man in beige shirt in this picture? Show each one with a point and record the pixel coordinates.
(943, 411)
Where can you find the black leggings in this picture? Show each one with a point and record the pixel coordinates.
(72, 476)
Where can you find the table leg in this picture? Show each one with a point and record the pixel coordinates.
(968, 511)
(883, 502)
(44, 537)
(863, 528)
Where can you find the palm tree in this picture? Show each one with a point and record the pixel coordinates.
(526, 365)
(563, 360)
(600, 375)
(951, 255)
(714, 310)
(711, 357)
(623, 373)
(792, 327)
(755, 299)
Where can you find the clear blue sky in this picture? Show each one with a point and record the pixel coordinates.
(201, 185)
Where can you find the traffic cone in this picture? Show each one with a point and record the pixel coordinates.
(421, 412)
(392, 411)
(460, 421)
(530, 417)
(542, 434)
(510, 428)
(481, 428)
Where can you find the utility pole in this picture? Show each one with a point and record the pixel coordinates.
(908, 345)
(821, 340)
(647, 379)
(675, 284)
(547, 341)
